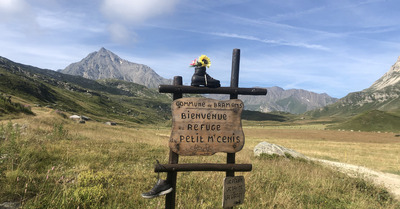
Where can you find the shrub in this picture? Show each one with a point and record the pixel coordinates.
(90, 191)
(59, 133)
(7, 106)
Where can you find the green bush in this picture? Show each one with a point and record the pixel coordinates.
(59, 133)
(89, 197)
(90, 191)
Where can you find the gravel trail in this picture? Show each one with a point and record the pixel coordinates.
(388, 180)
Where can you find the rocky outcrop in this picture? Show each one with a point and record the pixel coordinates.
(390, 78)
(273, 149)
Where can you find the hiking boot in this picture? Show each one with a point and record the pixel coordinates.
(201, 78)
(161, 188)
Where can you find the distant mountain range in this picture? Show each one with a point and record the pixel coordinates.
(295, 101)
(121, 98)
(383, 95)
(376, 108)
(105, 64)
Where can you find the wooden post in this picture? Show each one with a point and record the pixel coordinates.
(235, 71)
(173, 158)
(230, 157)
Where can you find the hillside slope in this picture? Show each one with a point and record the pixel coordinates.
(372, 120)
(79, 95)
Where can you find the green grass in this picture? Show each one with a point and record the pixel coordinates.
(373, 120)
(8, 107)
(56, 163)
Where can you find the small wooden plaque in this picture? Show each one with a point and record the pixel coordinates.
(202, 126)
(234, 190)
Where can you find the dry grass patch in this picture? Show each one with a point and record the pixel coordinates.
(379, 151)
(57, 163)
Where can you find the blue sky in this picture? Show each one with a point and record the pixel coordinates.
(334, 47)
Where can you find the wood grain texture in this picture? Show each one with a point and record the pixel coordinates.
(202, 126)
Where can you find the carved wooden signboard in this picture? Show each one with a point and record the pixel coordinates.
(202, 126)
(234, 190)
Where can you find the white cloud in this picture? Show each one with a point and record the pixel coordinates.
(136, 12)
(67, 21)
(120, 34)
(268, 41)
(18, 14)
(295, 14)
(13, 7)
(122, 13)
(15, 10)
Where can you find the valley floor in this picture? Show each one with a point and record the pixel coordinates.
(370, 155)
(53, 162)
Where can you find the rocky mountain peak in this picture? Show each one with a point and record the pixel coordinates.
(105, 64)
(390, 78)
(104, 56)
(103, 50)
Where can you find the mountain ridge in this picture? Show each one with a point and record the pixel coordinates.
(383, 95)
(294, 101)
(104, 64)
(392, 77)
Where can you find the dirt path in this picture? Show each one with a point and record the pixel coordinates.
(388, 180)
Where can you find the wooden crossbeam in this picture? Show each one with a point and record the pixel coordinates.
(203, 167)
(205, 90)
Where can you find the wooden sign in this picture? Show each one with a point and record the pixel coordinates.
(234, 190)
(202, 126)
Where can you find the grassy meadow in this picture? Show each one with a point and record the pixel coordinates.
(48, 161)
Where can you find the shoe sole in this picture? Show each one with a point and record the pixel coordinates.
(159, 194)
(198, 84)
